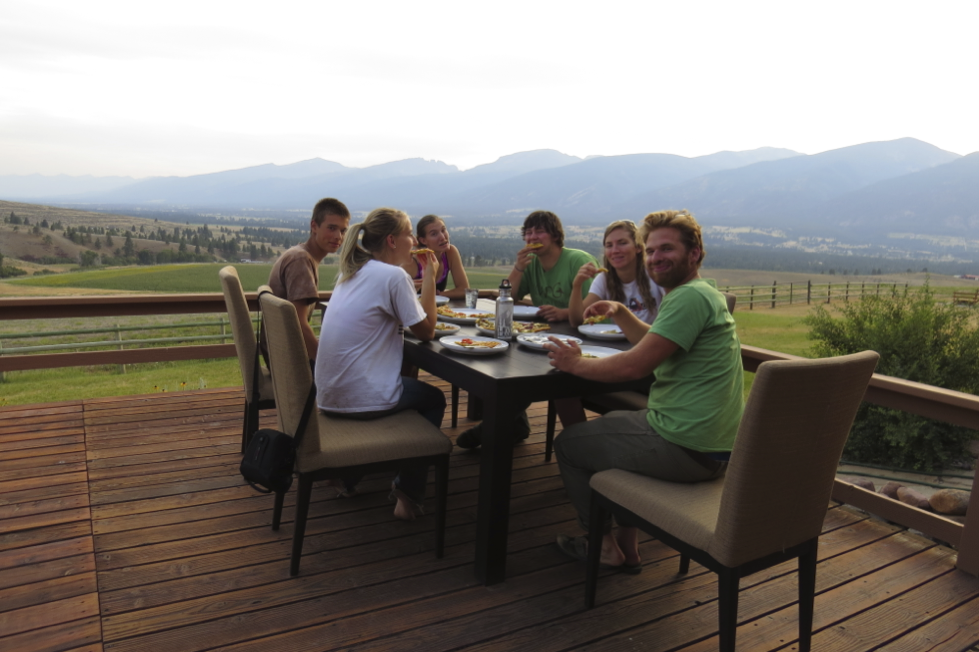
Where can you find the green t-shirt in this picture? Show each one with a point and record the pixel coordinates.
(698, 396)
(553, 287)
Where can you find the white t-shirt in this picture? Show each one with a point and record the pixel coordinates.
(358, 363)
(633, 300)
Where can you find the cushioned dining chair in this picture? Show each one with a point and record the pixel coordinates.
(770, 505)
(258, 396)
(605, 403)
(332, 448)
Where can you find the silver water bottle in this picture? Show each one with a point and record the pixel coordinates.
(504, 312)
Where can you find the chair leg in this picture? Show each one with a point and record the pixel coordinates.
(807, 594)
(303, 495)
(280, 499)
(455, 405)
(549, 432)
(596, 530)
(441, 500)
(727, 610)
(684, 563)
(246, 426)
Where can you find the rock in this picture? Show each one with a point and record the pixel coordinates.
(863, 483)
(950, 501)
(890, 489)
(913, 498)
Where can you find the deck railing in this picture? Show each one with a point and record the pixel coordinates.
(916, 398)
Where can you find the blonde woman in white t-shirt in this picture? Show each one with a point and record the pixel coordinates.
(358, 364)
(624, 278)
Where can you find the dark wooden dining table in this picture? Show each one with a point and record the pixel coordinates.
(505, 382)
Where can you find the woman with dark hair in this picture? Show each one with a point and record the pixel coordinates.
(623, 277)
(358, 365)
(432, 234)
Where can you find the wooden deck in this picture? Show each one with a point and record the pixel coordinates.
(124, 525)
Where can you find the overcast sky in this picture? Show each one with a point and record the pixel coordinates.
(142, 88)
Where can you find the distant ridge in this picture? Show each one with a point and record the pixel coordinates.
(898, 185)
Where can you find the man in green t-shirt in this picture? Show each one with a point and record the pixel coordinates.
(545, 270)
(695, 403)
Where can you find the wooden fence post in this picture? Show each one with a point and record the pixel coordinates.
(122, 367)
(774, 295)
(224, 330)
(790, 292)
(829, 291)
(808, 292)
(846, 296)
(751, 299)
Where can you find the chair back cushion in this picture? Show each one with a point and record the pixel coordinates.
(241, 324)
(732, 300)
(291, 375)
(783, 465)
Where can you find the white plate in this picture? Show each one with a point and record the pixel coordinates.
(452, 343)
(525, 312)
(439, 299)
(450, 329)
(468, 320)
(538, 340)
(492, 332)
(602, 331)
(599, 351)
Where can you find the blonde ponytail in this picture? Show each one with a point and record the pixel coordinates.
(357, 251)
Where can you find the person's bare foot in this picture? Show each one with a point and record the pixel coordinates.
(627, 541)
(611, 555)
(406, 509)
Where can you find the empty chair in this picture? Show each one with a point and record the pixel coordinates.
(332, 448)
(770, 505)
(605, 403)
(258, 386)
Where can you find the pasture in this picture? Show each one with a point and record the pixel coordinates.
(779, 329)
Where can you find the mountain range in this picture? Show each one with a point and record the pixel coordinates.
(871, 188)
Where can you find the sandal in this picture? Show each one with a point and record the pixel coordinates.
(341, 488)
(577, 548)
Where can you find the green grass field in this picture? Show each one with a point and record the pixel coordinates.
(780, 329)
(199, 278)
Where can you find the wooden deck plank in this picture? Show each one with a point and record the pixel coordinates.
(63, 637)
(53, 613)
(44, 552)
(14, 431)
(918, 605)
(50, 591)
(45, 492)
(39, 571)
(68, 529)
(954, 630)
(41, 461)
(147, 478)
(148, 523)
(43, 445)
(867, 592)
(165, 456)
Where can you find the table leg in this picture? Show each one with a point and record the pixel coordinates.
(495, 471)
(474, 409)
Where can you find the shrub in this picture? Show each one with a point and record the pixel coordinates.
(918, 339)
